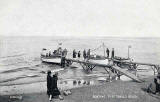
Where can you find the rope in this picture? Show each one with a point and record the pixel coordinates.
(93, 49)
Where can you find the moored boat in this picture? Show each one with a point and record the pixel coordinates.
(52, 56)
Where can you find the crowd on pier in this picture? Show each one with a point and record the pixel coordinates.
(87, 54)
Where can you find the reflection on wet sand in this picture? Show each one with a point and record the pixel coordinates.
(67, 84)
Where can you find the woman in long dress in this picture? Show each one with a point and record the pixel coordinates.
(54, 89)
(49, 84)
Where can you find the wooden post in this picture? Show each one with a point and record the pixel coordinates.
(128, 51)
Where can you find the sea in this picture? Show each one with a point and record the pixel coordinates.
(20, 61)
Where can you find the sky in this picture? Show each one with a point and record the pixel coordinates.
(125, 18)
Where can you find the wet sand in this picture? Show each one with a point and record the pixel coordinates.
(116, 91)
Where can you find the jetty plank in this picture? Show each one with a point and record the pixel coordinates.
(139, 63)
(87, 62)
(130, 75)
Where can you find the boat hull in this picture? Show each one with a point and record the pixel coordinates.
(102, 61)
(51, 60)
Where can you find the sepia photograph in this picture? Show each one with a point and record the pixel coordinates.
(79, 51)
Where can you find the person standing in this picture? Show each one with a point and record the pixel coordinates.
(65, 52)
(49, 85)
(62, 61)
(74, 53)
(79, 54)
(84, 54)
(54, 88)
(88, 53)
(158, 83)
(107, 51)
(112, 52)
(49, 53)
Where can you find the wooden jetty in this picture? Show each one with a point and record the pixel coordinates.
(115, 63)
(91, 65)
(130, 75)
(134, 65)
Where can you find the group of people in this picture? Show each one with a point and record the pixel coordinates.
(58, 52)
(52, 89)
(112, 53)
(85, 54)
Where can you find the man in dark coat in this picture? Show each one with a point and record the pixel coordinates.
(49, 83)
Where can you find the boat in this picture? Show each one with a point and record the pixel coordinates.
(52, 56)
(99, 59)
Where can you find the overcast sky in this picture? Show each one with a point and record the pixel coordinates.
(140, 18)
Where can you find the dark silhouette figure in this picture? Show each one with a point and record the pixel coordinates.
(88, 54)
(107, 51)
(49, 83)
(157, 82)
(84, 54)
(64, 53)
(157, 88)
(74, 53)
(54, 89)
(112, 52)
(79, 54)
(62, 61)
(49, 53)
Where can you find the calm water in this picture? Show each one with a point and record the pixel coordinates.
(20, 56)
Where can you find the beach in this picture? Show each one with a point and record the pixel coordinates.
(22, 73)
(100, 50)
(108, 92)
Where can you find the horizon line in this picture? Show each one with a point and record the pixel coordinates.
(79, 36)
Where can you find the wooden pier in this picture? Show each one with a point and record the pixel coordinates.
(134, 65)
(130, 75)
(90, 65)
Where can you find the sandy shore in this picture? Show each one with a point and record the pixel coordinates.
(117, 91)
